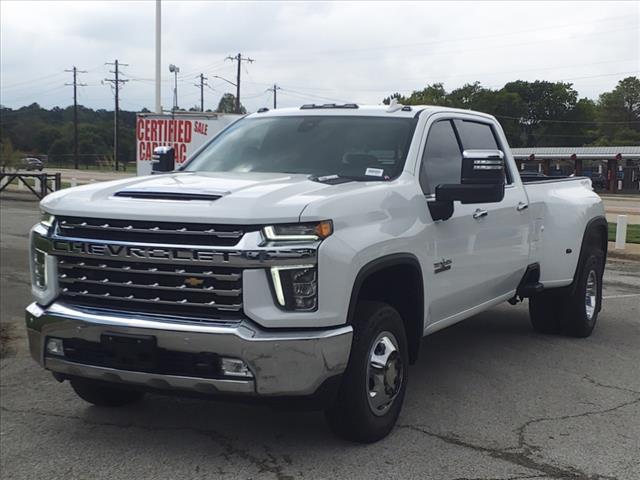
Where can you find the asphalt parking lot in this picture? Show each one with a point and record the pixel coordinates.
(488, 399)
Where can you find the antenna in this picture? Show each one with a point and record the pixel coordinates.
(394, 106)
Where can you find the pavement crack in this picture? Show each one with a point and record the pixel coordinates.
(519, 477)
(268, 464)
(614, 387)
(522, 457)
(521, 430)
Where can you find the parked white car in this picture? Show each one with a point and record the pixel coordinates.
(303, 254)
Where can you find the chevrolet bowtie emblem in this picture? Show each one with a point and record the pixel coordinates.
(193, 281)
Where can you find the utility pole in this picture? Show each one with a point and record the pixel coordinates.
(203, 84)
(116, 85)
(75, 112)
(274, 90)
(238, 58)
(158, 56)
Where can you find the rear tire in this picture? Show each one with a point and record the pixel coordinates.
(104, 394)
(374, 384)
(572, 311)
(581, 308)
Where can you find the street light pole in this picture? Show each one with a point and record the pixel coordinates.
(175, 70)
(158, 56)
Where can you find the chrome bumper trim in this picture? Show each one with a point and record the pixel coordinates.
(282, 362)
(163, 382)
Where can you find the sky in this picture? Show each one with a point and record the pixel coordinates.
(316, 52)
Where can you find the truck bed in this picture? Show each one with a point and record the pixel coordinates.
(560, 210)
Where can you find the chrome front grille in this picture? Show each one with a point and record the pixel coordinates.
(150, 231)
(174, 290)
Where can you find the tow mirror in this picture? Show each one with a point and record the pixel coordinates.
(482, 180)
(163, 160)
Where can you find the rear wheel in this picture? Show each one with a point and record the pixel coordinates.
(104, 394)
(581, 309)
(572, 312)
(374, 384)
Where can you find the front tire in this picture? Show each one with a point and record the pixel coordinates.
(374, 384)
(104, 394)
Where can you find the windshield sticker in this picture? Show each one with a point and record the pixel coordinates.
(374, 172)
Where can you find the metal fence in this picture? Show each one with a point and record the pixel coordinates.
(43, 183)
(85, 162)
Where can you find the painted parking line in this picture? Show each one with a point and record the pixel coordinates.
(621, 296)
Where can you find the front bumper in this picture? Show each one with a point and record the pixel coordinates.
(283, 363)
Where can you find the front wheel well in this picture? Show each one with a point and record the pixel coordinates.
(398, 282)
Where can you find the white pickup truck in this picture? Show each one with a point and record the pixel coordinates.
(302, 254)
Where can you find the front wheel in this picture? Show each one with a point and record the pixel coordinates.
(374, 384)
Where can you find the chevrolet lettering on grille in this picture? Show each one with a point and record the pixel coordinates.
(132, 253)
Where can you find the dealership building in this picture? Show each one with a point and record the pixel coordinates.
(612, 169)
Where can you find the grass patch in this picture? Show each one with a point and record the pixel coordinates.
(633, 233)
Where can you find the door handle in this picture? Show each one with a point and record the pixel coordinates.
(522, 206)
(479, 213)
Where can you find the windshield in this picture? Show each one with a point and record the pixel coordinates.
(314, 145)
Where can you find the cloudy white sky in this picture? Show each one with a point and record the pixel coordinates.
(360, 51)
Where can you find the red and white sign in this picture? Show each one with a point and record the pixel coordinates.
(185, 132)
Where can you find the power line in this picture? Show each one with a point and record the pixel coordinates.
(461, 39)
(304, 95)
(33, 80)
(75, 111)
(116, 83)
(238, 58)
(488, 49)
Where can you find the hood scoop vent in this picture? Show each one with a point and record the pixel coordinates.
(184, 196)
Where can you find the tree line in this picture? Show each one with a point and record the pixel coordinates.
(36, 131)
(546, 114)
(533, 114)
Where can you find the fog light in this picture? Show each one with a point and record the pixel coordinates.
(234, 367)
(54, 346)
(295, 286)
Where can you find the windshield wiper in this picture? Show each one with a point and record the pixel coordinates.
(337, 178)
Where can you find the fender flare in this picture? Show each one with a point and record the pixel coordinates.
(595, 225)
(374, 266)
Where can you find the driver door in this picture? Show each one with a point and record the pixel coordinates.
(480, 253)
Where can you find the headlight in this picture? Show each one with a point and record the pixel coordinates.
(46, 219)
(44, 271)
(296, 287)
(299, 231)
(39, 269)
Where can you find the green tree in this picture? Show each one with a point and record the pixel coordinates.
(44, 137)
(8, 156)
(227, 104)
(619, 110)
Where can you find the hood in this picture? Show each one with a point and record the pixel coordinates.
(234, 198)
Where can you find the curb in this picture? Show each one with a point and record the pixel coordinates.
(623, 254)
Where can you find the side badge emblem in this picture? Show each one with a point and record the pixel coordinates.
(442, 266)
